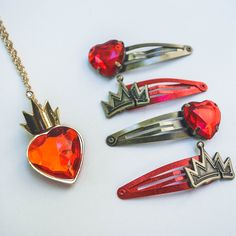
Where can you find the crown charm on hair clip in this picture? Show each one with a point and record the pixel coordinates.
(199, 119)
(149, 92)
(113, 57)
(181, 175)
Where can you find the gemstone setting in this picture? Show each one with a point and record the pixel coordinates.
(108, 57)
(202, 118)
(57, 154)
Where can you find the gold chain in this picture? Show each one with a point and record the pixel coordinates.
(17, 62)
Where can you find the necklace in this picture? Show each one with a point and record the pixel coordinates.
(55, 151)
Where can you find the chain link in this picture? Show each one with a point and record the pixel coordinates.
(17, 62)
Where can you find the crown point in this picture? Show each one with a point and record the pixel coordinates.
(43, 118)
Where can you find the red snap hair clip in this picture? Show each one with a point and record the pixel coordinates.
(199, 119)
(112, 57)
(149, 92)
(181, 175)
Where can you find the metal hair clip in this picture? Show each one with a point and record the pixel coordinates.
(199, 119)
(147, 92)
(181, 175)
(113, 57)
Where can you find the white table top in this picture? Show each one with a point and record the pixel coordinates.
(53, 39)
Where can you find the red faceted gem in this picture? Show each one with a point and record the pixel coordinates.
(105, 57)
(57, 153)
(203, 118)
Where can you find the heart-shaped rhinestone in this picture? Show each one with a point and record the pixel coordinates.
(107, 57)
(203, 118)
(57, 154)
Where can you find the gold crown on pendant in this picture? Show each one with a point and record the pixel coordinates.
(42, 119)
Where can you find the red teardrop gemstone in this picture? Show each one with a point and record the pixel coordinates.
(103, 57)
(202, 117)
(57, 153)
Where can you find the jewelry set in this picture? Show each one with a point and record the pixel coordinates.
(56, 151)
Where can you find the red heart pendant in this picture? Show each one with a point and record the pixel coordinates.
(57, 154)
(105, 57)
(203, 118)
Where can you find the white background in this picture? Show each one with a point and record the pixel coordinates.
(53, 39)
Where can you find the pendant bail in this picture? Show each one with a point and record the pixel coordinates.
(119, 78)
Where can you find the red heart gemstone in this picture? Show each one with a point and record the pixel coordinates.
(57, 154)
(203, 118)
(104, 57)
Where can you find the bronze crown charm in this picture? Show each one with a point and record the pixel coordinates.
(208, 169)
(125, 99)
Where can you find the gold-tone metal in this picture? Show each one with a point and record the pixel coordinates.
(17, 62)
(42, 119)
(208, 169)
(136, 56)
(125, 99)
(164, 127)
